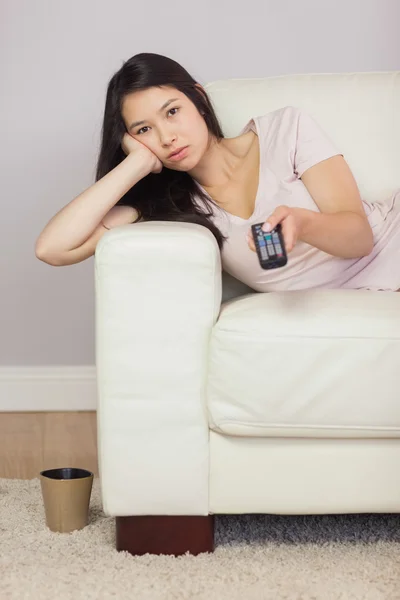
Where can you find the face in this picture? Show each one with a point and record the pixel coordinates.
(164, 128)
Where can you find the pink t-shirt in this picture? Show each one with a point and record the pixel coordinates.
(290, 143)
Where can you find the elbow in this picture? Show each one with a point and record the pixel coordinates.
(362, 241)
(364, 249)
(40, 252)
(363, 246)
(368, 249)
(46, 257)
(368, 239)
(48, 260)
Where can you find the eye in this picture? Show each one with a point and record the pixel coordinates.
(175, 108)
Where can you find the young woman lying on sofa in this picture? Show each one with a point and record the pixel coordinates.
(164, 156)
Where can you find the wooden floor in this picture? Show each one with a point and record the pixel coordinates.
(32, 442)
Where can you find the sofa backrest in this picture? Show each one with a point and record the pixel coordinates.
(359, 111)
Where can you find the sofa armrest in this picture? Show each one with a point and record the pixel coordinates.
(158, 296)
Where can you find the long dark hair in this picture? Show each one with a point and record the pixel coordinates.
(168, 195)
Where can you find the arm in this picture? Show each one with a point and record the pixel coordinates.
(118, 215)
(341, 228)
(73, 225)
(76, 255)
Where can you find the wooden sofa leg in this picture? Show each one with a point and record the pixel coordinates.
(161, 534)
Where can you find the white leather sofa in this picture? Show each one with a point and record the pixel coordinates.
(216, 399)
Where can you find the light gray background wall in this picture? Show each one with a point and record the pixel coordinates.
(56, 60)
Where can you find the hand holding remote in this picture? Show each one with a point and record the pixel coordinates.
(270, 246)
(290, 220)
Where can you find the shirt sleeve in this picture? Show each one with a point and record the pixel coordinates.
(312, 144)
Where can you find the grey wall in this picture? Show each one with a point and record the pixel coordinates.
(56, 60)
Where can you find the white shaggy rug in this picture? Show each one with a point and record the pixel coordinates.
(257, 557)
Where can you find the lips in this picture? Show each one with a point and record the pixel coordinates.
(177, 151)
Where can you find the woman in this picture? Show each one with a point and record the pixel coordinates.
(281, 168)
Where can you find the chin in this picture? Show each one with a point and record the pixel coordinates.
(187, 165)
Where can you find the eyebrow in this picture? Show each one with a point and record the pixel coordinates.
(136, 123)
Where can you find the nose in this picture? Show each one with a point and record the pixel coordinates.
(167, 138)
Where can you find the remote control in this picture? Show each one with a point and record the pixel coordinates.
(270, 246)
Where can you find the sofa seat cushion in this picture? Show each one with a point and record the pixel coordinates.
(315, 363)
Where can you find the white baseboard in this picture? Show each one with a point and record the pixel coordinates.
(48, 389)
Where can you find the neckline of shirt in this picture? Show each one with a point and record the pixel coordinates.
(245, 129)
